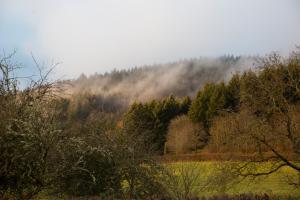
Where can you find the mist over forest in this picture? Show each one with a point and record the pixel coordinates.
(181, 78)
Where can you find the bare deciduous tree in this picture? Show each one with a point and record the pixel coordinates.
(184, 136)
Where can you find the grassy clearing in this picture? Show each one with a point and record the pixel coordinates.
(275, 184)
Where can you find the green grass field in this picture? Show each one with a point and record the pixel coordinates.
(275, 184)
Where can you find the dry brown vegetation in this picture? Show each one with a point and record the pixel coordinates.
(184, 136)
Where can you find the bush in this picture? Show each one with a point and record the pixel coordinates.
(86, 168)
(185, 136)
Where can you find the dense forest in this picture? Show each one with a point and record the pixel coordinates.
(183, 78)
(108, 135)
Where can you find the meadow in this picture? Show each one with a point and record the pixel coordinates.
(212, 178)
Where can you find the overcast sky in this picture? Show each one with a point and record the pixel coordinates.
(99, 35)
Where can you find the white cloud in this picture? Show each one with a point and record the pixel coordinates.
(99, 35)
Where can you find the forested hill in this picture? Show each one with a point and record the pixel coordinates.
(182, 78)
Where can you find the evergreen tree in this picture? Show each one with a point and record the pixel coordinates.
(207, 103)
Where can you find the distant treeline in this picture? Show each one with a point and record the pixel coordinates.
(257, 110)
(119, 88)
(210, 94)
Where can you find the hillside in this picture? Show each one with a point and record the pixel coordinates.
(182, 78)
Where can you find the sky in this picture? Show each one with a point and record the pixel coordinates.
(99, 35)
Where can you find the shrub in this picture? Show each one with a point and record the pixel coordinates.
(185, 136)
